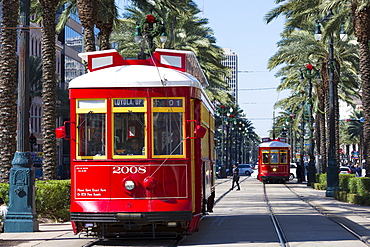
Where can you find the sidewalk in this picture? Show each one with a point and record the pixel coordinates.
(59, 234)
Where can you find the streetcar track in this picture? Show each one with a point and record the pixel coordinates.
(278, 229)
(333, 218)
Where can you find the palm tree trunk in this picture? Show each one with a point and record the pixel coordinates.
(105, 18)
(8, 85)
(365, 78)
(49, 88)
(87, 16)
(361, 24)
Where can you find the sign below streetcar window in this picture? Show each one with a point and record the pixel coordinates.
(167, 102)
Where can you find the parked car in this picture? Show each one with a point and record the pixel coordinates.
(293, 171)
(344, 170)
(245, 169)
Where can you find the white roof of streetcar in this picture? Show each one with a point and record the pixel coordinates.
(274, 144)
(134, 76)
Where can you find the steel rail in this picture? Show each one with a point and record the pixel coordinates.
(279, 230)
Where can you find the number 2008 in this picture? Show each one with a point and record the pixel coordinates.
(129, 170)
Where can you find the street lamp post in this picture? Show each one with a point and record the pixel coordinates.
(311, 165)
(22, 215)
(332, 169)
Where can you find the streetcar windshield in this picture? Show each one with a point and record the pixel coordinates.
(129, 129)
(283, 157)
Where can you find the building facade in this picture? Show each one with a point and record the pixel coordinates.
(231, 60)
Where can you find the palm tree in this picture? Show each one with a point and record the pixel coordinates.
(106, 15)
(8, 85)
(299, 14)
(87, 11)
(294, 57)
(354, 129)
(360, 14)
(49, 84)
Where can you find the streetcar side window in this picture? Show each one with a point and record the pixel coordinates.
(91, 134)
(168, 135)
(274, 159)
(129, 129)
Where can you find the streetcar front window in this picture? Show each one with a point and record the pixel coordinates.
(265, 156)
(91, 134)
(274, 159)
(168, 136)
(129, 133)
(283, 157)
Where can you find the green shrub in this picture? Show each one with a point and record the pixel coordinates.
(318, 186)
(342, 195)
(53, 199)
(4, 192)
(360, 186)
(356, 199)
(343, 181)
(321, 178)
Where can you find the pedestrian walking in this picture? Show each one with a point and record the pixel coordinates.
(358, 171)
(235, 177)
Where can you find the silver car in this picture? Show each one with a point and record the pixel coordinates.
(245, 169)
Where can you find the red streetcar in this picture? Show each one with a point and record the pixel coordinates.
(273, 160)
(141, 135)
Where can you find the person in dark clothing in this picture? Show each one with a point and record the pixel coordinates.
(135, 146)
(299, 172)
(235, 177)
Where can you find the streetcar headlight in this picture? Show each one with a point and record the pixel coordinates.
(274, 169)
(129, 185)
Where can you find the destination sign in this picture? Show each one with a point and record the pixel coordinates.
(128, 103)
(167, 102)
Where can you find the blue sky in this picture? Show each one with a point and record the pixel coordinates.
(239, 25)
